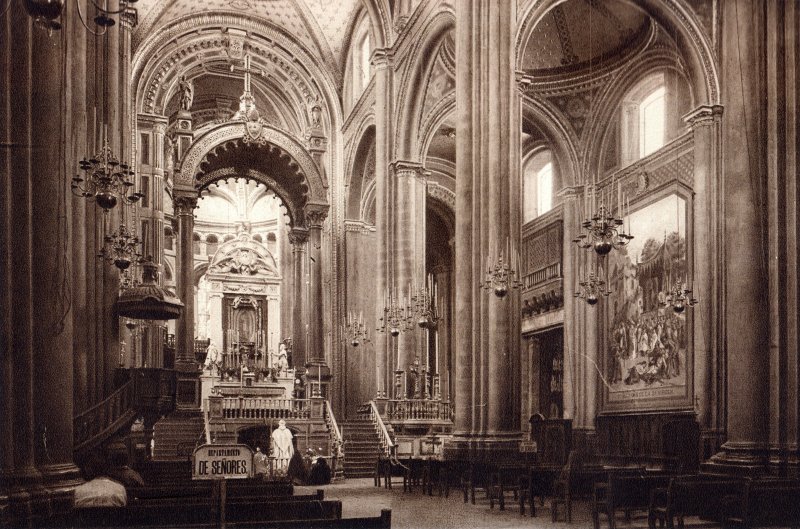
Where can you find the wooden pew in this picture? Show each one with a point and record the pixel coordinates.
(202, 513)
(703, 495)
(626, 492)
(766, 503)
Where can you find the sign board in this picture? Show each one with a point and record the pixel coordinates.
(528, 447)
(222, 462)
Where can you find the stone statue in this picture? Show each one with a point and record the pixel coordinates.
(213, 355)
(282, 449)
(187, 93)
(282, 364)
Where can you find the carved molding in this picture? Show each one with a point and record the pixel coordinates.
(184, 204)
(316, 214)
(442, 194)
(268, 135)
(298, 236)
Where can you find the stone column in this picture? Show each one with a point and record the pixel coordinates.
(187, 391)
(316, 361)
(443, 277)
(746, 259)
(570, 271)
(708, 269)
(384, 208)
(298, 237)
(273, 327)
(409, 252)
(487, 209)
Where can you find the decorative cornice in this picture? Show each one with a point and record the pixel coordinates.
(184, 204)
(359, 226)
(442, 194)
(402, 168)
(704, 115)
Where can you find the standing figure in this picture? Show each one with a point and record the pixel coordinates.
(187, 93)
(282, 449)
(260, 466)
(282, 365)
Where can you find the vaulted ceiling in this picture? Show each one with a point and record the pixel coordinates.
(321, 25)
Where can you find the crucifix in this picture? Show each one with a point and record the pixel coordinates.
(247, 71)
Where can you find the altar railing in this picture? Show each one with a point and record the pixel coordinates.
(259, 408)
(419, 410)
(372, 413)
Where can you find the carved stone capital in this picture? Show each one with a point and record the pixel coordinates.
(316, 214)
(382, 58)
(704, 115)
(185, 204)
(298, 236)
(403, 168)
(128, 19)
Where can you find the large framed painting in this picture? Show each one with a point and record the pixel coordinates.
(647, 347)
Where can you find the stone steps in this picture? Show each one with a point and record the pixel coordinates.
(361, 449)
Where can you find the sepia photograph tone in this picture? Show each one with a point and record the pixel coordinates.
(399, 264)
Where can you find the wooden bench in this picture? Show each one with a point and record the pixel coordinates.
(696, 495)
(627, 492)
(194, 513)
(766, 503)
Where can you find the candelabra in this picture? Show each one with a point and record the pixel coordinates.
(592, 288)
(355, 329)
(47, 12)
(603, 231)
(396, 316)
(678, 297)
(424, 305)
(500, 277)
(105, 179)
(121, 248)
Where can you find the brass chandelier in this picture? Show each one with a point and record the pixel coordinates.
(603, 230)
(678, 297)
(105, 179)
(121, 248)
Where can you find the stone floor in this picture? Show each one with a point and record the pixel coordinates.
(415, 511)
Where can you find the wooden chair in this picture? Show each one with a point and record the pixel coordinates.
(562, 486)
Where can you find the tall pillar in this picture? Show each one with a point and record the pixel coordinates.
(298, 237)
(744, 199)
(708, 272)
(18, 475)
(384, 213)
(571, 306)
(319, 369)
(487, 220)
(187, 390)
(409, 252)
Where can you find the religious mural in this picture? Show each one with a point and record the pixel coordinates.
(647, 358)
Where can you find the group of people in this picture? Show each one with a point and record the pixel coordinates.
(647, 350)
(288, 461)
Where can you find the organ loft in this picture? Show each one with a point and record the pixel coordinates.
(410, 263)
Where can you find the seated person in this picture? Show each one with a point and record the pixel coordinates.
(320, 472)
(297, 472)
(99, 489)
(119, 470)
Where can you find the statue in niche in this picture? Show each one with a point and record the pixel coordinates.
(187, 93)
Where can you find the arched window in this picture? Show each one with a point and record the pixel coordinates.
(537, 185)
(228, 237)
(644, 118)
(257, 237)
(360, 53)
(168, 238)
(195, 244)
(212, 243)
(652, 121)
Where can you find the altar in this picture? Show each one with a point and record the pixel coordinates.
(245, 382)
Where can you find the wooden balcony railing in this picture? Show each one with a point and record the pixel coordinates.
(419, 410)
(102, 420)
(261, 408)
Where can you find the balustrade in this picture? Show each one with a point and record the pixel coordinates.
(265, 408)
(419, 410)
(106, 417)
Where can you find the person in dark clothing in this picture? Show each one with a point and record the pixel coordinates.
(297, 472)
(320, 472)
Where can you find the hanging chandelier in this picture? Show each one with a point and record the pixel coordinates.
(396, 316)
(355, 329)
(105, 180)
(603, 231)
(121, 248)
(678, 297)
(424, 303)
(592, 288)
(501, 276)
(46, 13)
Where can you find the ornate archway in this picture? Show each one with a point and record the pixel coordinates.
(254, 150)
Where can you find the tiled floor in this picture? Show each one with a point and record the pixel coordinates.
(414, 511)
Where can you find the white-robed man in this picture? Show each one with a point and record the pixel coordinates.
(282, 449)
